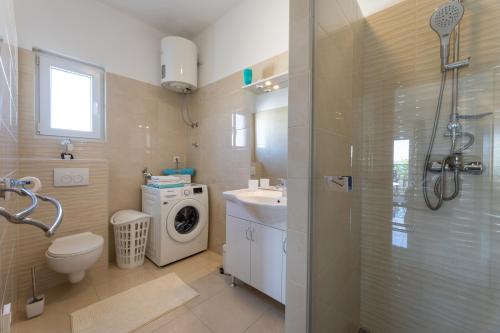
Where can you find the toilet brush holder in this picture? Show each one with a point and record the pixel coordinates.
(35, 304)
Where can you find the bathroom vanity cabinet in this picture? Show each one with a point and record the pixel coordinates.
(256, 252)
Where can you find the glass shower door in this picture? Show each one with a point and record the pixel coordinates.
(381, 259)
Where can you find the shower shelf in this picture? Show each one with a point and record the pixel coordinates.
(270, 84)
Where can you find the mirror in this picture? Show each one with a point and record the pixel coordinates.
(270, 141)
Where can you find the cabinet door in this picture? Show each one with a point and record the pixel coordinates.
(283, 279)
(267, 260)
(238, 248)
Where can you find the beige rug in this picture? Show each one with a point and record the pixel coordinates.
(133, 308)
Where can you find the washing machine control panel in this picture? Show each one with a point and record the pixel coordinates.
(180, 193)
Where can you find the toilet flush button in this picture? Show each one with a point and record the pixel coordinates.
(71, 177)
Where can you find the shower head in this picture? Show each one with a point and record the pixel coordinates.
(444, 20)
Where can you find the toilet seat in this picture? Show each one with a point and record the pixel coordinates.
(75, 245)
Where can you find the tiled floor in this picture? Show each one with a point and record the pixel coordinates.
(218, 309)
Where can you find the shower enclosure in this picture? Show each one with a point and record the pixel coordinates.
(380, 258)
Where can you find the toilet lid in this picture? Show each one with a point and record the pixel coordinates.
(75, 244)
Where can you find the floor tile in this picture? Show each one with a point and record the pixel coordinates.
(272, 321)
(207, 287)
(185, 323)
(162, 321)
(69, 297)
(219, 308)
(113, 286)
(114, 272)
(60, 302)
(191, 268)
(49, 322)
(231, 311)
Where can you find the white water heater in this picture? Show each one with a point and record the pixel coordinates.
(179, 64)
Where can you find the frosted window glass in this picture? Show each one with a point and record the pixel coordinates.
(70, 100)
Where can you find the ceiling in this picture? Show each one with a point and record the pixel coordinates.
(185, 18)
(369, 7)
(188, 18)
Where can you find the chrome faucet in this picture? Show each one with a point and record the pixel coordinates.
(147, 175)
(282, 186)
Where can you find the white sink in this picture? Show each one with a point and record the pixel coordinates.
(268, 207)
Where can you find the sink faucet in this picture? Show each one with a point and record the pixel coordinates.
(282, 186)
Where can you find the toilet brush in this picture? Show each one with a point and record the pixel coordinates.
(34, 305)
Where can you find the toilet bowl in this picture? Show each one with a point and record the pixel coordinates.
(74, 254)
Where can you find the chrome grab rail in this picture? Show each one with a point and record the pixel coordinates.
(22, 216)
(49, 230)
(18, 217)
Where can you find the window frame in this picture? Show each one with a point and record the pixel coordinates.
(235, 131)
(47, 60)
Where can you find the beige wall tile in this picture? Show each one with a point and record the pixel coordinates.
(9, 162)
(218, 164)
(299, 164)
(85, 209)
(401, 81)
(296, 259)
(144, 129)
(296, 308)
(335, 240)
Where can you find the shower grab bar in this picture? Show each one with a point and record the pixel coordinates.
(22, 216)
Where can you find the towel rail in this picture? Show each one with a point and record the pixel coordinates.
(21, 217)
(18, 217)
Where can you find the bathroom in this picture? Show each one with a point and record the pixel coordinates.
(281, 166)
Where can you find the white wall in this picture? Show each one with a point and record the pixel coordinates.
(91, 31)
(251, 32)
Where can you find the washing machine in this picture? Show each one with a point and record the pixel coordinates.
(179, 224)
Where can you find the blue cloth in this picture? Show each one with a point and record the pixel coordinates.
(172, 172)
(159, 185)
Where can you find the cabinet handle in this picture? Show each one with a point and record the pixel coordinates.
(246, 234)
(251, 235)
(284, 245)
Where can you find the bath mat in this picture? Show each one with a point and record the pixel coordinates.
(134, 308)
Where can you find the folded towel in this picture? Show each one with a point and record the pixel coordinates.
(187, 171)
(163, 185)
(165, 179)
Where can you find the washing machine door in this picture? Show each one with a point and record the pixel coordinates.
(186, 220)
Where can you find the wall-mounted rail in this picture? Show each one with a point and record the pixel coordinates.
(22, 217)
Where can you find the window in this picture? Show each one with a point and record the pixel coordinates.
(400, 180)
(240, 132)
(70, 98)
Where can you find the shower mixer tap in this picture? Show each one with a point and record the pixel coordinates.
(456, 163)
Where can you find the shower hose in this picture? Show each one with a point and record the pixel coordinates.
(440, 185)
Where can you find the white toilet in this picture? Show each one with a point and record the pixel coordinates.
(74, 254)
